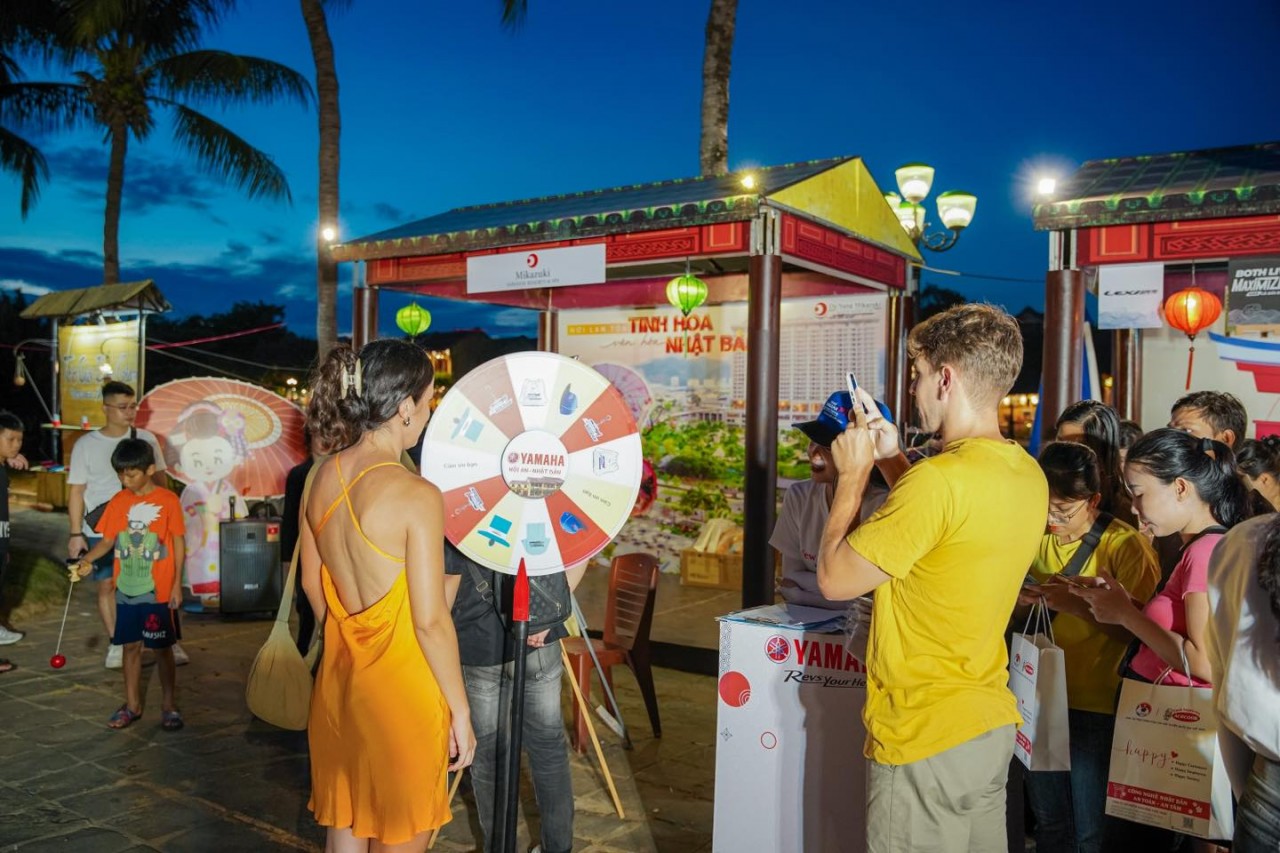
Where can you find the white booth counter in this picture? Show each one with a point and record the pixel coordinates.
(790, 773)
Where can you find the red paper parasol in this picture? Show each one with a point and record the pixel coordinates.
(266, 427)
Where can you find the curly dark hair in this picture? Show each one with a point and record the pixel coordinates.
(1168, 454)
(389, 371)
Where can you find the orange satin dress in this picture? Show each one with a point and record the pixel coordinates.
(379, 726)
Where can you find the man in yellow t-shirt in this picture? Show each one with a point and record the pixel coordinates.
(946, 556)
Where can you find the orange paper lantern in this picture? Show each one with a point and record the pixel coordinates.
(1191, 311)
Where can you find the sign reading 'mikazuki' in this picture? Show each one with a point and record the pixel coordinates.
(1253, 292)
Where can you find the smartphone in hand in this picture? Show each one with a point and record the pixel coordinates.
(853, 393)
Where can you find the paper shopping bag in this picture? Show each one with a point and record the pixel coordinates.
(1167, 768)
(1038, 679)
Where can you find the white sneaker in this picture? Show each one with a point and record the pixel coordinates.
(180, 658)
(115, 657)
(8, 638)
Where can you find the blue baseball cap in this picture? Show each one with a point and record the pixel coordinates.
(833, 419)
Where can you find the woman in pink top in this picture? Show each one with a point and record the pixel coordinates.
(1189, 486)
(1184, 485)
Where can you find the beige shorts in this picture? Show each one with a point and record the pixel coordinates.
(952, 802)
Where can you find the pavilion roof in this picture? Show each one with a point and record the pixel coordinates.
(619, 210)
(1213, 183)
(142, 296)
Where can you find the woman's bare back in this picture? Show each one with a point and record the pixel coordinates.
(381, 495)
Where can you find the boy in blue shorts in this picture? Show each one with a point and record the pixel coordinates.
(143, 525)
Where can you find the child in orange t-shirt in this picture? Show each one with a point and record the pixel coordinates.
(143, 524)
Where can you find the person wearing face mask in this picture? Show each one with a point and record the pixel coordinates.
(797, 534)
(1080, 538)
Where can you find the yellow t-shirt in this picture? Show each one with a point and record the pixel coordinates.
(956, 536)
(1091, 656)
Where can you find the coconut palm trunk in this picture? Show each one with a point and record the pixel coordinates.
(330, 130)
(119, 136)
(716, 56)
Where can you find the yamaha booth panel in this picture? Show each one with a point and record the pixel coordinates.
(249, 551)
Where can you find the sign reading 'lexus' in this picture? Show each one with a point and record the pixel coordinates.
(534, 268)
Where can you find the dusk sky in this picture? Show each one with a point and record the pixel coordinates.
(441, 107)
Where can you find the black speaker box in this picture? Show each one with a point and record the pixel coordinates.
(249, 551)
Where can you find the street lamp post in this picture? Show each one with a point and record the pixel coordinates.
(955, 209)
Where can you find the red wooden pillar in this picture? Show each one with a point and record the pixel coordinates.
(1063, 345)
(364, 319)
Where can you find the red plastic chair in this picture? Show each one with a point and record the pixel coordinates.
(633, 585)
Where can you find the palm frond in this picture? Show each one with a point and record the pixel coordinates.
(514, 12)
(228, 156)
(45, 106)
(215, 76)
(164, 26)
(21, 158)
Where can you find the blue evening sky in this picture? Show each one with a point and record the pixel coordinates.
(442, 107)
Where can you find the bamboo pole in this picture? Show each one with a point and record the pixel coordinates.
(453, 789)
(591, 729)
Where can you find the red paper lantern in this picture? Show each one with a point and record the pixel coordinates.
(1191, 311)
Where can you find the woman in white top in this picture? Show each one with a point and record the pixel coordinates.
(1244, 652)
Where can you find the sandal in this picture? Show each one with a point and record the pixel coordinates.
(7, 666)
(123, 718)
(171, 721)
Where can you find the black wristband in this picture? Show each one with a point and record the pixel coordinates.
(74, 535)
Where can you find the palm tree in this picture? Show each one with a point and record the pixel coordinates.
(131, 60)
(313, 14)
(717, 51)
(27, 27)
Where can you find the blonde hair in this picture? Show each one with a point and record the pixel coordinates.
(982, 342)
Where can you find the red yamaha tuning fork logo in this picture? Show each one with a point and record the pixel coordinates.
(777, 649)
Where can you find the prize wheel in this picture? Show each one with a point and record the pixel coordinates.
(538, 458)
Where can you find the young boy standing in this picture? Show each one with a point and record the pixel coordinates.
(10, 447)
(143, 525)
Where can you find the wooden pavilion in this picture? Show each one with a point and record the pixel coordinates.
(805, 229)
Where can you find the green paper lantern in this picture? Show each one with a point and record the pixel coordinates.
(413, 319)
(686, 292)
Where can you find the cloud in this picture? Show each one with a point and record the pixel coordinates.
(150, 182)
(243, 273)
(514, 319)
(391, 213)
(24, 287)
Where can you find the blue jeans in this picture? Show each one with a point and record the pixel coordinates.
(1070, 808)
(545, 747)
(1258, 814)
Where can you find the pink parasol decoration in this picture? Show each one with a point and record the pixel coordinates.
(269, 426)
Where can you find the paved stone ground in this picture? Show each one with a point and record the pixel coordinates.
(229, 782)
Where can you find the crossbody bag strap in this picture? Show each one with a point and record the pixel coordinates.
(1088, 544)
(482, 585)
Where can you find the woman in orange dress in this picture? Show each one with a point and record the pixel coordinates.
(389, 709)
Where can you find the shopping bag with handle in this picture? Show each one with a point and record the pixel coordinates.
(278, 690)
(1038, 679)
(1166, 764)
